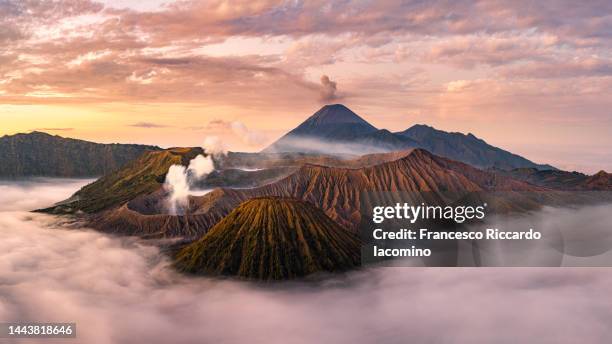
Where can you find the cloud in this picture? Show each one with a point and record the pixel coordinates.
(248, 136)
(577, 67)
(116, 77)
(118, 288)
(458, 85)
(86, 53)
(469, 51)
(53, 129)
(314, 145)
(19, 20)
(28, 195)
(148, 125)
(237, 128)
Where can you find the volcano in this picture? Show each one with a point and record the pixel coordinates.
(272, 239)
(416, 176)
(144, 175)
(333, 122)
(335, 129)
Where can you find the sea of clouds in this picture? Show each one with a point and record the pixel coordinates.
(121, 290)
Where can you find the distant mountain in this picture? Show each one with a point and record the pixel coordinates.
(41, 154)
(143, 175)
(599, 181)
(336, 129)
(561, 180)
(467, 148)
(272, 239)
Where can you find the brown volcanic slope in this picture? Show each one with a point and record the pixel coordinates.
(561, 180)
(141, 176)
(420, 176)
(272, 239)
(599, 181)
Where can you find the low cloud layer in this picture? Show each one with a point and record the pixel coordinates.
(315, 145)
(148, 125)
(119, 289)
(53, 129)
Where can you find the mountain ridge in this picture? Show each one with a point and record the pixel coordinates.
(347, 131)
(336, 128)
(467, 148)
(420, 176)
(144, 175)
(42, 154)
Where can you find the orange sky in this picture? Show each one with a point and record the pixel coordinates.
(533, 78)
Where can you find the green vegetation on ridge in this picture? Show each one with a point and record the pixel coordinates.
(141, 176)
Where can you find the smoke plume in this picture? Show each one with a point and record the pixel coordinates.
(328, 89)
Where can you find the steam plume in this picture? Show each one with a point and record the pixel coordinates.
(178, 187)
(214, 145)
(201, 166)
(179, 179)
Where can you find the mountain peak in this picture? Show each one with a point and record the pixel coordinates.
(38, 132)
(336, 114)
(466, 148)
(272, 238)
(332, 123)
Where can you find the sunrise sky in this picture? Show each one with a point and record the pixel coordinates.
(532, 77)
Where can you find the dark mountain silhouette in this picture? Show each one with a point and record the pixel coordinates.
(333, 122)
(41, 154)
(336, 129)
(467, 148)
(272, 239)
